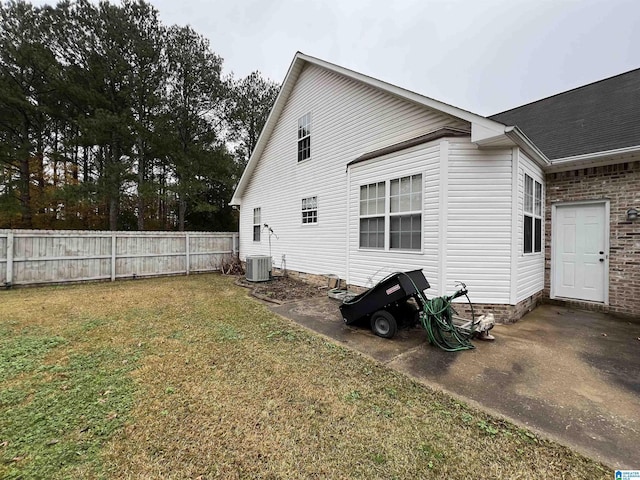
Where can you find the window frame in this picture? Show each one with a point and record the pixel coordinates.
(388, 215)
(532, 212)
(311, 211)
(303, 144)
(377, 215)
(256, 237)
(411, 212)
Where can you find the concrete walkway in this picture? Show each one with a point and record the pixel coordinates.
(571, 375)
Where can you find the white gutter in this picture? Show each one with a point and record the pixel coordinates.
(593, 159)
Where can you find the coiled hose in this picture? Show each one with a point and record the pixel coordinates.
(436, 318)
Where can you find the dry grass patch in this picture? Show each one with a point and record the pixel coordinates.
(215, 386)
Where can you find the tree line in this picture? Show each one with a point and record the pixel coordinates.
(110, 119)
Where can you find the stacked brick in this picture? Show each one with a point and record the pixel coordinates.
(620, 184)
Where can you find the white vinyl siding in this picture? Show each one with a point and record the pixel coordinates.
(369, 265)
(479, 221)
(466, 205)
(530, 266)
(349, 119)
(466, 194)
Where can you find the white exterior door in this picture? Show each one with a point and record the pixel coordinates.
(580, 255)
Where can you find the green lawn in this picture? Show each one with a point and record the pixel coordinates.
(188, 377)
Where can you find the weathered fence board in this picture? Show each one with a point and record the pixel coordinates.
(59, 256)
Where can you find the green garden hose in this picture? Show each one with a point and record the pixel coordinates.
(437, 319)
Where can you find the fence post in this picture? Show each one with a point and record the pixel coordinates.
(9, 281)
(113, 257)
(186, 241)
(235, 241)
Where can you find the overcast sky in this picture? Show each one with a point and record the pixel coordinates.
(485, 56)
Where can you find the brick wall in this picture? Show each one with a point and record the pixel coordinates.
(503, 313)
(620, 184)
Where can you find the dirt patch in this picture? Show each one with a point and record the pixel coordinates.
(282, 289)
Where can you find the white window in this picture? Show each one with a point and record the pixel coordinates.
(310, 210)
(372, 213)
(406, 213)
(532, 215)
(256, 224)
(304, 137)
(403, 215)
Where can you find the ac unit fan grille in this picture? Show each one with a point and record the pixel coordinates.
(258, 268)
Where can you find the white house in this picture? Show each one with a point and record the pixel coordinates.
(360, 178)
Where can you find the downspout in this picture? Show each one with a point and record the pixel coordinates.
(348, 229)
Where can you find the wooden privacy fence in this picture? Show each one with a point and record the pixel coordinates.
(58, 256)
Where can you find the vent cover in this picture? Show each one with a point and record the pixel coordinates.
(258, 268)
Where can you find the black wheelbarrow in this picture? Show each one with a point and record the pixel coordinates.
(387, 304)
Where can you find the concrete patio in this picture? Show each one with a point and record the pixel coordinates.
(570, 375)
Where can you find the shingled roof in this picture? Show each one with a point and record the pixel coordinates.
(597, 117)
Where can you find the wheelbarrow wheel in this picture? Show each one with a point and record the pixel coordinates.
(384, 324)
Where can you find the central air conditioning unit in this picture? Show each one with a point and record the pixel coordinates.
(258, 268)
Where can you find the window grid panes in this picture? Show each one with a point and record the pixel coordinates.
(256, 224)
(304, 137)
(372, 232)
(528, 194)
(310, 210)
(406, 194)
(405, 232)
(372, 208)
(372, 199)
(403, 214)
(538, 200)
(405, 197)
(533, 201)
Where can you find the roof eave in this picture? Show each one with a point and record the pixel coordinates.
(519, 138)
(444, 132)
(606, 157)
